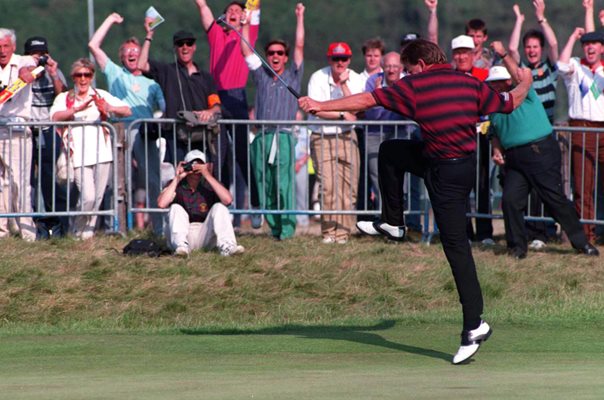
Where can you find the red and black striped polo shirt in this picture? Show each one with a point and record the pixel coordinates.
(447, 105)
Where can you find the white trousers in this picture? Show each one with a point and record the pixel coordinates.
(215, 231)
(91, 181)
(16, 153)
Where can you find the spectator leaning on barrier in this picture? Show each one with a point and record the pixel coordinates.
(143, 96)
(90, 146)
(15, 142)
(47, 145)
(185, 85)
(445, 158)
(584, 80)
(198, 215)
(529, 153)
(336, 147)
(272, 151)
(230, 73)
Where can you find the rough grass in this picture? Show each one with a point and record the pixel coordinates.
(67, 285)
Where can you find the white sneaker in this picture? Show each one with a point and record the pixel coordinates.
(366, 227)
(231, 249)
(328, 240)
(182, 251)
(392, 232)
(488, 242)
(471, 341)
(537, 245)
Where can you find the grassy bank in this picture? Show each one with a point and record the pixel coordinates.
(65, 285)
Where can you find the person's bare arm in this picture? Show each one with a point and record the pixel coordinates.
(97, 39)
(548, 31)
(514, 45)
(143, 59)
(299, 45)
(52, 69)
(205, 14)
(497, 151)
(432, 6)
(522, 87)
(166, 197)
(222, 192)
(508, 61)
(590, 25)
(245, 33)
(568, 49)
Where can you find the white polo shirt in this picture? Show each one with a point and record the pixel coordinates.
(585, 89)
(321, 87)
(18, 108)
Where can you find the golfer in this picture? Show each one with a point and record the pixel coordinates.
(446, 104)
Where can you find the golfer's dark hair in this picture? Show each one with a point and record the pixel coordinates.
(534, 34)
(277, 41)
(424, 50)
(375, 43)
(476, 24)
(237, 3)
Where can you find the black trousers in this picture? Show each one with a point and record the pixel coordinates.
(537, 165)
(449, 183)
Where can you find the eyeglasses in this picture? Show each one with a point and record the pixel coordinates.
(133, 50)
(342, 59)
(277, 52)
(82, 75)
(188, 42)
(392, 67)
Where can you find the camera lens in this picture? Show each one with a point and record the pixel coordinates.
(43, 60)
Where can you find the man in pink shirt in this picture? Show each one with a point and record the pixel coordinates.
(230, 72)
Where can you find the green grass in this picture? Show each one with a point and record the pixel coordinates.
(404, 360)
(293, 320)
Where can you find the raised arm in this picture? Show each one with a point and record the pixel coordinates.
(515, 36)
(299, 45)
(525, 81)
(510, 64)
(432, 20)
(207, 18)
(568, 49)
(97, 39)
(245, 33)
(548, 31)
(143, 59)
(590, 25)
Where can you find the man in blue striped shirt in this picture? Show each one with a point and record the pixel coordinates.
(272, 151)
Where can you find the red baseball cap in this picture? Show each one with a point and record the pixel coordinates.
(339, 49)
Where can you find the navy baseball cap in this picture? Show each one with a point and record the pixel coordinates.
(182, 35)
(596, 36)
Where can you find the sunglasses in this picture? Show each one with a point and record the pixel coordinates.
(188, 42)
(277, 52)
(82, 75)
(342, 59)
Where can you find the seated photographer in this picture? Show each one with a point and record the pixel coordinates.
(198, 216)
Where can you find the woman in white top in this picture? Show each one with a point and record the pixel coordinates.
(90, 146)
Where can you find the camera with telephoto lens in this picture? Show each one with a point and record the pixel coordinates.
(42, 60)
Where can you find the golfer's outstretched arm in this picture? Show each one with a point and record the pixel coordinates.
(354, 103)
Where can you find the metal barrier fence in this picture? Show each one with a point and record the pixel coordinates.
(242, 175)
(28, 156)
(155, 159)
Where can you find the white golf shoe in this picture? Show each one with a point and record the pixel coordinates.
(471, 341)
(366, 227)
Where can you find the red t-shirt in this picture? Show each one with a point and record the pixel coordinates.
(227, 65)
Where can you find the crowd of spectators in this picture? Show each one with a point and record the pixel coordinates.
(270, 169)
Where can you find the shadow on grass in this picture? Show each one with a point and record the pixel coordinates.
(356, 334)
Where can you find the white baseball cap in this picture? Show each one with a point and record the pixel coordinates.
(498, 73)
(195, 155)
(462, 42)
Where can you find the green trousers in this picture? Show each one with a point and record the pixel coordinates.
(275, 179)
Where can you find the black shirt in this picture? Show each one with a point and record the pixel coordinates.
(197, 88)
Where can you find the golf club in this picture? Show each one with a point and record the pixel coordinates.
(222, 20)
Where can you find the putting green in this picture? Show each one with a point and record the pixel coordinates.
(387, 361)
